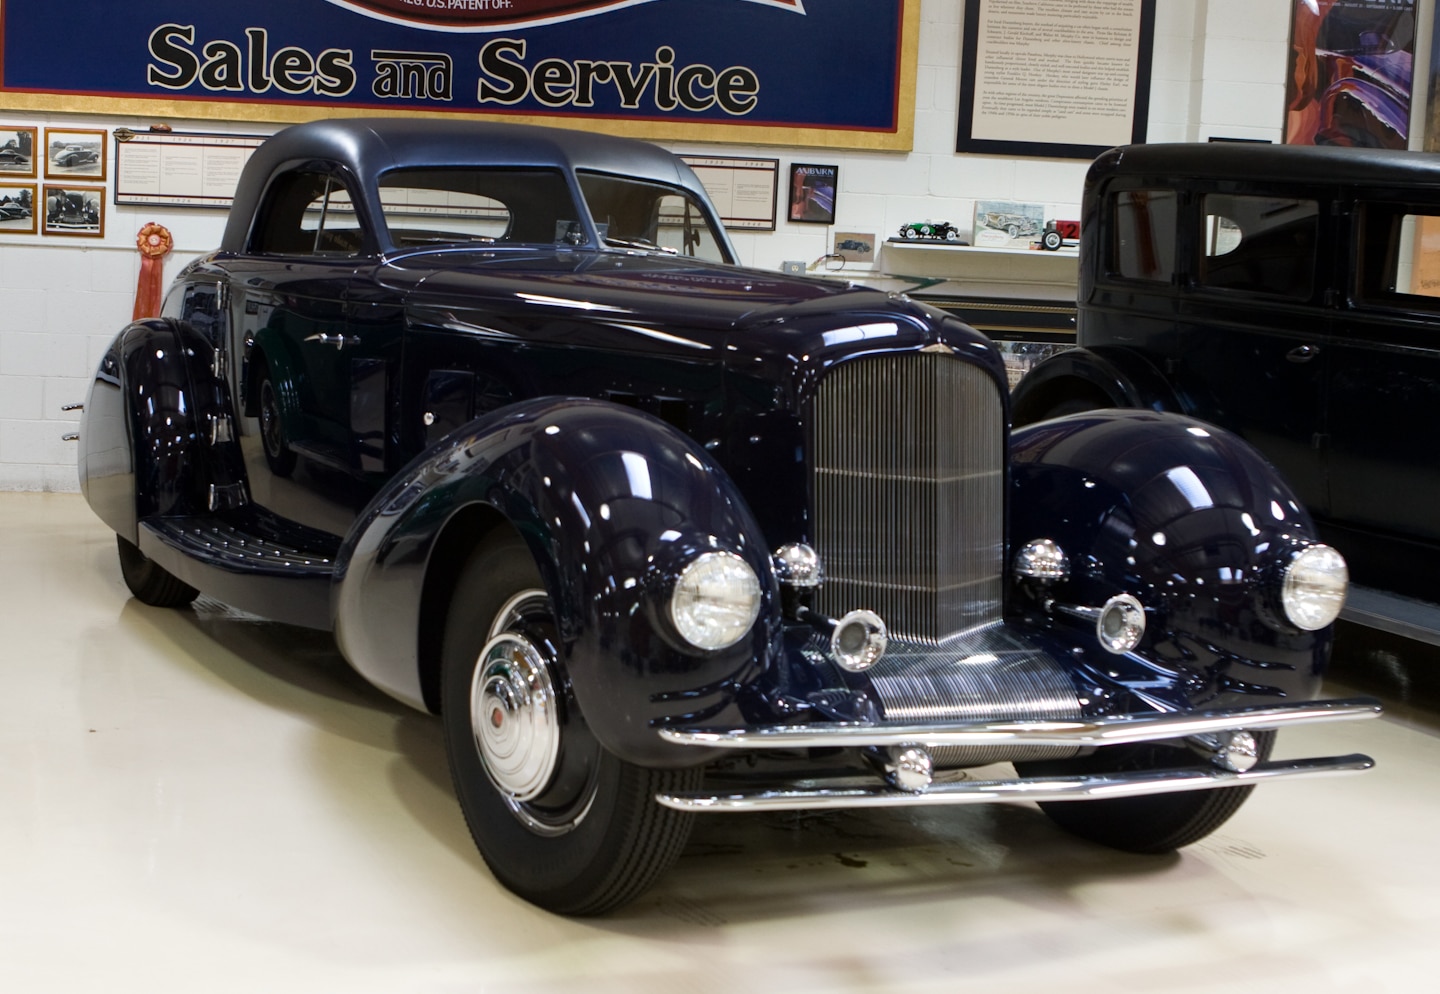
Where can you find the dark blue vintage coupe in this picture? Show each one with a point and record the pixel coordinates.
(657, 535)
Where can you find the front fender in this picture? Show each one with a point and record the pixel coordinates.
(1103, 377)
(1193, 522)
(612, 503)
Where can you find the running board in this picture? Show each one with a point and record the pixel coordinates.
(1403, 616)
(1079, 788)
(1079, 733)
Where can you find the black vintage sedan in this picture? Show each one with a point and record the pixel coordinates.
(658, 535)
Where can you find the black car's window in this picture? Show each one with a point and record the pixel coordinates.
(457, 206)
(1260, 244)
(307, 213)
(635, 214)
(1142, 245)
(1400, 256)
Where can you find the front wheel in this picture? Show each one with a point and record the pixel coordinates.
(1155, 823)
(559, 820)
(1051, 241)
(278, 454)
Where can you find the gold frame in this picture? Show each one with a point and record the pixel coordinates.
(84, 177)
(97, 232)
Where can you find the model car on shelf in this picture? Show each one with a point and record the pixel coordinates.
(656, 535)
(1280, 292)
(942, 231)
(1058, 234)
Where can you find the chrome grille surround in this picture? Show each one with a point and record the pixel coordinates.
(907, 453)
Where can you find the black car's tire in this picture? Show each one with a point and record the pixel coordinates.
(909, 232)
(150, 582)
(559, 820)
(952, 234)
(278, 454)
(1157, 823)
(1052, 240)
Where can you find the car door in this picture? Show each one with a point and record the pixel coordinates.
(1384, 391)
(1254, 326)
(316, 379)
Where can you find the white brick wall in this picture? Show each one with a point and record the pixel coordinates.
(1219, 70)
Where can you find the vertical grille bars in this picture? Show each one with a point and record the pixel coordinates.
(908, 452)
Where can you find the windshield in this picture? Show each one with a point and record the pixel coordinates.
(631, 213)
(426, 207)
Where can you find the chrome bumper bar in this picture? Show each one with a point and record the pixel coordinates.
(1080, 788)
(1083, 732)
(1088, 733)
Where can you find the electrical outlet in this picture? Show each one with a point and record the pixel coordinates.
(797, 268)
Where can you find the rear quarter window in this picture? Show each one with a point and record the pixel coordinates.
(1264, 245)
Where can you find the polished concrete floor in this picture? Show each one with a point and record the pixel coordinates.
(197, 801)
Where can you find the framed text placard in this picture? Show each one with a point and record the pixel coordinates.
(743, 190)
(181, 170)
(812, 72)
(1064, 78)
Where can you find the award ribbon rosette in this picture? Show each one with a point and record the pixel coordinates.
(154, 243)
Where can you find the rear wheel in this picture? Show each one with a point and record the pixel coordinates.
(150, 582)
(1157, 823)
(559, 820)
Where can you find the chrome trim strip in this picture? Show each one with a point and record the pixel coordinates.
(1082, 788)
(1085, 732)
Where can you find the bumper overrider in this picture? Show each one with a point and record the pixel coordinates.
(905, 768)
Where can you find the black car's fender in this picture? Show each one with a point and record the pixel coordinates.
(1080, 379)
(612, 503)
(156, 436)
(1191, 521)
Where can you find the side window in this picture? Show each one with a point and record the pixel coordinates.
(1400, 256)
(1142, 241)
(1260, 244)
(307, 213)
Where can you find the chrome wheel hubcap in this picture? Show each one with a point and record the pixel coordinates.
(514, 716)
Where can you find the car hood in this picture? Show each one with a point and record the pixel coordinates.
(658, 288)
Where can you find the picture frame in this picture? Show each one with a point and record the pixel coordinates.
(17, 151)
(18, 209)
(75, 153)
(1028, 85)
(1353, 73)
(855, 246)
(74, 211)
(813, 193)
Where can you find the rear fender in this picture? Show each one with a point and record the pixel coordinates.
(157, 433)
(612, 504)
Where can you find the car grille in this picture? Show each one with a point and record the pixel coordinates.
(908, 456)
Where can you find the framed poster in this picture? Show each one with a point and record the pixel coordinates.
(17, 151)
(17, 209)
(812, 193)
(1351, 73)
(75, 211)
(75, 154)
(1064, 80)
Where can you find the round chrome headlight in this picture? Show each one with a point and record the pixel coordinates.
(715, 601)
(1312, 589)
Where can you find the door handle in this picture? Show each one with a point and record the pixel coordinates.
(1302, 353)
(339, 341)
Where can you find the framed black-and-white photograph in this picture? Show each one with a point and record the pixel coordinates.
(17, 209)
(812, 193)
(77, 211)
(71, 153)
(17, 151)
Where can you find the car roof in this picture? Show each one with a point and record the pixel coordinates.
(1260, 162)
(368, 147)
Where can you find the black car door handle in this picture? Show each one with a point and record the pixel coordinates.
(1302, 353)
